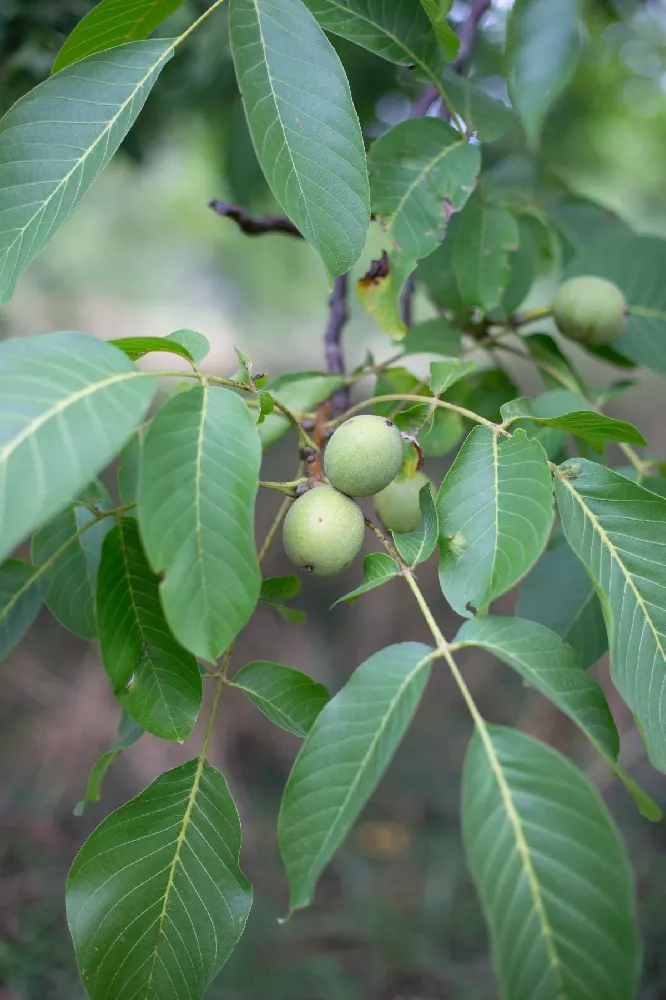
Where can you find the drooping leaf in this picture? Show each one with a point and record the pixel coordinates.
(278, 589)
(421, 171)
(303, 124)
(343, 758)
(111, 23)
(193, 342)
(636, 264)
(486, 237)
(495, 512)
(432, 336)
(156, 681)
(289, 698)
(138, 347)
(379, 292)
(490, 119)
(596, 428)
(65, 131)
(418, 545)
(378, 568)
(156, 900)
(618, 531)
(551, 666)
(551, 870)
(75, 555)
(398, 31)
(199, 481)
(80, 400)
(266, 405)
(543, 45)
(22, 593)
(445, 373)
(444, 33)
(129, 733)
(559, 594)
(300, 393)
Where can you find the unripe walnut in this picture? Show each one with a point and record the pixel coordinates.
(398, 504)
(590, 310)
(364, 455)
(323, 531)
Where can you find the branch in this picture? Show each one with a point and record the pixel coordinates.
(338, 314)
(467, 33)
(251, 226)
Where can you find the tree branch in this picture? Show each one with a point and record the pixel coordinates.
(467, 33)
(251, 226)
(338, 314)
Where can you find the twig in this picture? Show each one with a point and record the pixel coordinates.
(423, 104)
(406, 300)
(338, 314)
(251, 226)
(467, 33)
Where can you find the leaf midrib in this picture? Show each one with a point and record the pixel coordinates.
(390, 220)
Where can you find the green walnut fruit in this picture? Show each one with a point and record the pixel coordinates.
(590, 310)
(364, 455)
(398, 504)
(323, 531)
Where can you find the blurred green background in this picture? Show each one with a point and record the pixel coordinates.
(395, 916)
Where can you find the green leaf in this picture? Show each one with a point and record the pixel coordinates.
(549, 404)
(554, 365)
(378, 568)
(486, 236)
(442, 433)
(79, 401)
(22, 593)
(445, 373)
(156, 681)
(542, 47)
(129, 733)
(559, 594)
(343, 758)
(72, 580)
(300, 393)
(199, 481)
(138, 347)
(523, 269)
(551, 666)
(418, 545)
(636, 264)
(289, 698)
(444, 33)
(433, 336)
(596, 428)
(266, 405)
(379, 292)
(495, 512)
(618, 531)
(398, 31)
(490, 119)
(278, 589)
(421, 171)
(303, 124)
(580, 222)
(111, 23)
(435, 272)
(57, 139)
(551, 870)
(483, 392)
(193, 342)
(130, 467)
(156, 900)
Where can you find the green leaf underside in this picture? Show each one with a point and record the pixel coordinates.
(432, 336)
(549, 665)
(421, 171)
(156, 900)
(596, 428)
(418, 545)
(618, 531)
(542, 51)
(22, 593)
(303, 125)
(398, 32)
(129, 733)
(72, 581)
(199, 481)
(195, 343)
(138, 347)
(495, 512)
(289, 698)
(559, 594)
(486, 237)
(378, 568)
(344, 757)
(130, 467)
(636, 264)
(111, 23)
(551, 871)
(76, 120)
(444, 374)
(68, 402)
(444, 33)
(156, 681)
(299, 394)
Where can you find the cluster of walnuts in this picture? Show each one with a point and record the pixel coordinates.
(323, 531)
